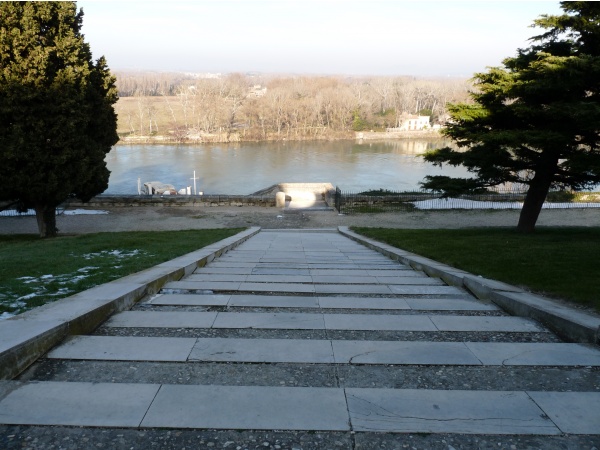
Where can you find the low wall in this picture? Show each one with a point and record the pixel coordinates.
(264, 197)
(174, 201)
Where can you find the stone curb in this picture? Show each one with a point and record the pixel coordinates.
(26, 337)
(569, 323)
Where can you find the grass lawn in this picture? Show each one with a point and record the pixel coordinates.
(34, 271)
(557, 262)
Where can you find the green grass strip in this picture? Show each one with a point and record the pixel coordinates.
(557, 262)
(35, 271)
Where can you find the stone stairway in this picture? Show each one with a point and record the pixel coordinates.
(301, 332)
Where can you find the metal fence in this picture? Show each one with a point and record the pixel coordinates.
(347, 202)
(12, 211)
(385, 201)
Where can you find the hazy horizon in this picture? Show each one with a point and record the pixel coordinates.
(325, 37)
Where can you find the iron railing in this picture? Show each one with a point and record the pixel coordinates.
(12, 211)
(347, 202)
(385, 201)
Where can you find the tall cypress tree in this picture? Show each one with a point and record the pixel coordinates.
(534, 121)
(57, 121)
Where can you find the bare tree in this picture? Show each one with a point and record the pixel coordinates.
(291, 107)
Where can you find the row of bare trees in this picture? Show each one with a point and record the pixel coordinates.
(242, 107)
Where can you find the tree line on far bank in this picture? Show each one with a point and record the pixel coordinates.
(184, 107)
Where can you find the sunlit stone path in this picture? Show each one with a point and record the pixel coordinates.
(311, 331)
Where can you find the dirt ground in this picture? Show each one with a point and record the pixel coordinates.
(183, 218)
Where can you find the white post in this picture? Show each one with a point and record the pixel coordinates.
(195, 182)
(139, 186)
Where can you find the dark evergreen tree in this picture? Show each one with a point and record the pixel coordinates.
(57, 121)
(536, 120)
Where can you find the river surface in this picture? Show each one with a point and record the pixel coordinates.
(244, 168)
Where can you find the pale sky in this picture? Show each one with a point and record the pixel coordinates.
(345, 37)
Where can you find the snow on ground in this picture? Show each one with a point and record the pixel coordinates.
(38, 286)
(119, 254)
(75, 212)
(457, 203)
(71, 212)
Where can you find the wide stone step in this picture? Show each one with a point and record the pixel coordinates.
(309, 288)
(308, 321)
(287, 301)
(130, 405)
(126, 348)
(323, 265)
(316, 279)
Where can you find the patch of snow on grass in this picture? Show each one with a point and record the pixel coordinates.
(119, 254)
(76, 212)
(39, 285)
(25, 297)
(72, 212)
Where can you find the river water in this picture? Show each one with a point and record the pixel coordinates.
(244, 168)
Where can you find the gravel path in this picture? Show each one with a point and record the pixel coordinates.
(182, 218)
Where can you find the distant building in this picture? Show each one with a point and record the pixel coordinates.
(257, 91)
(414, 122)
(205, 75)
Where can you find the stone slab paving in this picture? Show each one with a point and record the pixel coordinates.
(273, 301)
(216, 277)
(78, 404)
(274, 271)
(314, 351)
(270, 321)
(392, 272)
(470, 323)
(279, 279)
(189, 300)
(335, 302)
(316, 321)
(229, 270)
(346, 306)
(449, 304)
(244, 407)
(381, 352)
(162, 319)
(509, 354)
(377, 322)
(572, 412)
(363, 303)
(299, 408)
(124, 348)
(434, 411)
(353, 289)
(263, 350)
(355, 279)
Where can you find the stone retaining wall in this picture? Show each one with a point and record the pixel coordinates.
(264, 197)
(174, 200)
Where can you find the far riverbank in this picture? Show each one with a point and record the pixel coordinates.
(224, 137)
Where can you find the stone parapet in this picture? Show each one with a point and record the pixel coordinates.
(174, 200)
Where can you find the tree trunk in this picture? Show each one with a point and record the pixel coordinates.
(46, 220)
(534, 200)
